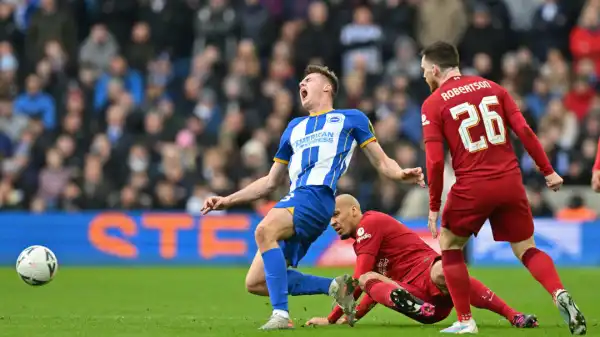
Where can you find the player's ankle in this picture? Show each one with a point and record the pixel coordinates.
(281, 313)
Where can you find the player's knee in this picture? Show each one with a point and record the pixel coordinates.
(519, 248)
(256, 287)
(262, 234)
(364, 278)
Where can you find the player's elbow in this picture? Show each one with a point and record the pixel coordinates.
(435, 164)
(271, 183)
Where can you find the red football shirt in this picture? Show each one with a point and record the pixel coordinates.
(388, 247)
(473, 116)
(399, 253)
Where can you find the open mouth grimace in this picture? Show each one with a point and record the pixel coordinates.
(303, 93)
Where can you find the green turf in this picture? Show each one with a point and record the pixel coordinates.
(181, 302)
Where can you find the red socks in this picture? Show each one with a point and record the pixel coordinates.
(380, 291)
(457, 281)
(483, 298)
(542, 268)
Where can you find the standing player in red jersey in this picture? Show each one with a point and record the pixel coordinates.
(474, 115)
(397, 269)
(596, 171)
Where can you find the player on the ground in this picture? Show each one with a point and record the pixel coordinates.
(397, 269)
(474, 115)
(596, 171)
(316, 150)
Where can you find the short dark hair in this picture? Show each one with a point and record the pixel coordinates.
(442, 54)
(325, 71)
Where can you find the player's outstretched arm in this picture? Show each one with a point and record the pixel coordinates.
(530, 141)
(254, 191)
(390, 168)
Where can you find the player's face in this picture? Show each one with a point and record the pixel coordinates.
(312, 89)
(429, 74)
(343, 222)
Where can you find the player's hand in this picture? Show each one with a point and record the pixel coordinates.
(432, 223)
(317, 321)
(554, 181)
(413, 175)
(596, 181)
(214, 204)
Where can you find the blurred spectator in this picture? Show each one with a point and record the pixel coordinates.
(483, 36)
(47, 24)
(11, 124)
(99, 48)
(539, 206)
(215, 26)
(362, 38)
(432, 26)
(140, 51)
(549, 29)
(119, 70)
(53, 178)
(314, 43)
(576, 210)
(36, 103)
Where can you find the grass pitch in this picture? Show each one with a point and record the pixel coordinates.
(182, 302)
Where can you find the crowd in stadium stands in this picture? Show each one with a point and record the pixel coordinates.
(139, 104)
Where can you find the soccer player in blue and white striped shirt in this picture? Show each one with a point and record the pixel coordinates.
(315, 150)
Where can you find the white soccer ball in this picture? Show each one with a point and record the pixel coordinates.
(37, 265)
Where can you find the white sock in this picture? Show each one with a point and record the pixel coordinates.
(281, 313)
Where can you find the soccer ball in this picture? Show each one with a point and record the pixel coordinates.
(37, 265)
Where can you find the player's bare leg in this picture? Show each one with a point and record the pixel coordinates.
(542, 268)
(255, 278)
(457, 280)
(393, 295)
(484, 298)
(302, 284)
(277, 225)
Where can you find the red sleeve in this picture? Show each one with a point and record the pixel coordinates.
(434, 153)
(365, 305)
(517, 123)
(431, 121)
(364, 263)
(597, 163)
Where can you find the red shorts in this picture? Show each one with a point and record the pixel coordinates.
(503, 201)
(423, 288)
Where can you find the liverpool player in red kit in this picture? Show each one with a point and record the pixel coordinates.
(397, 269)
(474, 117)
(596, 171)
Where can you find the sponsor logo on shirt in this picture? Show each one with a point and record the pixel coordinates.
(361, 235)
(424, 120)
(334, 119)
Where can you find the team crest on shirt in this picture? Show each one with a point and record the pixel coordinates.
(361, 235)
(334, 119)
(424, 120)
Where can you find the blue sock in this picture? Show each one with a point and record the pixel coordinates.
(303, 284)
(276, 277)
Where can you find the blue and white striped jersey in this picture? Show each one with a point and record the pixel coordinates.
(319, 147)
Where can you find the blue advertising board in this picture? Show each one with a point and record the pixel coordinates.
(115, 238)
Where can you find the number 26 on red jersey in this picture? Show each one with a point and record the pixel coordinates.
(475, 116)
